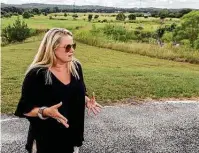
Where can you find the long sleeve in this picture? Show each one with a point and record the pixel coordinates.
(30, 94)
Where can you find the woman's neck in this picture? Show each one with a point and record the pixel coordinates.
(61, 67)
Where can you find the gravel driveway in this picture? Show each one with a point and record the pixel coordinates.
(151, 127)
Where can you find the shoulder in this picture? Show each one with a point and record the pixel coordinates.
(78, 65)
(35, 73)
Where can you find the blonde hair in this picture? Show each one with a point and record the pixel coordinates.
(45, 56)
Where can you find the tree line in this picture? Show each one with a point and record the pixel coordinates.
(162, 13)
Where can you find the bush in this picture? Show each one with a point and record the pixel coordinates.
(19, 31)
(120, 17)
(90, 17)
(7, 15)
(196, 44)
(15, 14)
(168, 37)
(132, 17)
(118, 33)
(96, 16)
(26, 15)
(105, 20)
(186, 42)
(139, 28)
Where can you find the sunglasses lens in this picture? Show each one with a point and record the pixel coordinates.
(68, 47)
(74, 46)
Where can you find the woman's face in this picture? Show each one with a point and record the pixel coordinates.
(64, 51)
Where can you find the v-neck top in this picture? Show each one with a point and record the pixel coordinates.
(36, 93)
(56, 78)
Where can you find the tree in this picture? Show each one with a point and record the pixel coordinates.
(75, 16)
(90, 16)
(65, 14)
(26, 15)
(120, 17)
(159, 33)
(190, 25)
(163, 14)
(19, 31)
(56, 9)
(96, 17)
(132, 17)
(35, 11)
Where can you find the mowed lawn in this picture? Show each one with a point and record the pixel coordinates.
(112, 75)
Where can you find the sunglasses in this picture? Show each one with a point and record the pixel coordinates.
(69, 46)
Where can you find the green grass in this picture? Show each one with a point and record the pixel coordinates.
(43, 22)
(112, 75)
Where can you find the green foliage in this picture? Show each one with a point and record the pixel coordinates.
(143, 36)
(7, 15)
(121, 17)
(90, 16)
(65, 14)
(105, 20)
(163, 13)
(118, 33)
(19, 31)
(36, 11)
(186, 42)
(139, 27)
(132, 17)
(75, 16)
(26, 15)
(96, 16)
(196, 43)
(190, 25)
(160, 32)
(168, 37)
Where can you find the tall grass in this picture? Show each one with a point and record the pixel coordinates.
(112, 36)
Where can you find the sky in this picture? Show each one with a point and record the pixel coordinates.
(117, 3)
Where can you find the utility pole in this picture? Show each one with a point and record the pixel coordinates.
(74, 7)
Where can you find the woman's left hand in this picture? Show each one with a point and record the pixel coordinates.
(91, 104)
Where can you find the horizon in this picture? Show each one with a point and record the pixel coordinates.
(169, 4)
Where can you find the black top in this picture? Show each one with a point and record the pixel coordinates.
(35, 93)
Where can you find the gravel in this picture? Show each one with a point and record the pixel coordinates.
(151, 127)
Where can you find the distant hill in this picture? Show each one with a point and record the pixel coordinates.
(41, 5)
(93, 8)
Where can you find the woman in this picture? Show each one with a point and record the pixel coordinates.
(53, 96)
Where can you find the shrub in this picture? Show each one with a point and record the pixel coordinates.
(132, 17)
(168, 37)
(19, 31)
(118, 33)
(196, 43)
(105, 20)
(120, 17)
(26, 15)
(90, 16)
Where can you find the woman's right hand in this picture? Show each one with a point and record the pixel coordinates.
(54, 113)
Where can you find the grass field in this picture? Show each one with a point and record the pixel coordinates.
(43, 22)
(111, 74)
